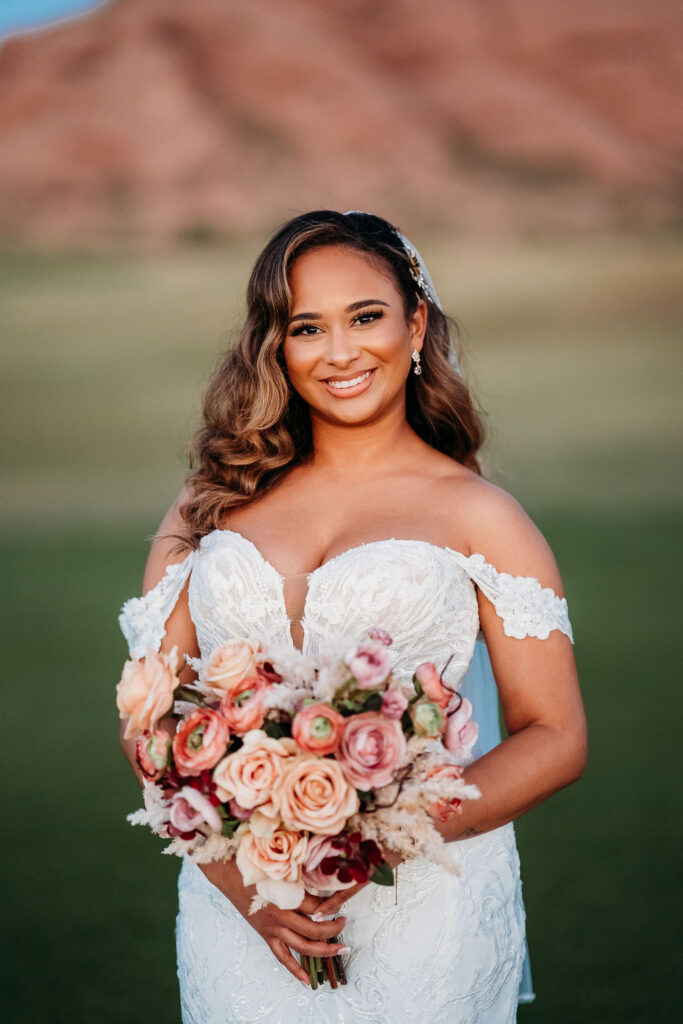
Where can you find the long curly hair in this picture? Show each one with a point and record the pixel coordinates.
(256, 427)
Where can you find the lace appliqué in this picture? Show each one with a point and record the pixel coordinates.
(143, 619)
(526, 608)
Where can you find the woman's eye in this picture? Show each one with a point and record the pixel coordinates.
(367, 318)
(307, 330)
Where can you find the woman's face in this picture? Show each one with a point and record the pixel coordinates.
(348, 345)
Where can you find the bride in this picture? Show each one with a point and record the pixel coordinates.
(336, 487)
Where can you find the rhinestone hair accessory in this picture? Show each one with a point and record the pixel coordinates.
(421, 277)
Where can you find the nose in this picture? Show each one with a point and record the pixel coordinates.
(341, 347)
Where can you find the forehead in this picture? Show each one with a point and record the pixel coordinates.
(336, 275)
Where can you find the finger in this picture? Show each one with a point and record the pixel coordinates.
(284, 955)
(332, 905)
(302, 945)
(319, 931)
(310, 904)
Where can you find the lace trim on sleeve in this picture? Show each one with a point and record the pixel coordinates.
(143, 619)
(526, 608)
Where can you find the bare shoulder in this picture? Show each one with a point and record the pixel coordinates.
(166, 547)
(497, 527)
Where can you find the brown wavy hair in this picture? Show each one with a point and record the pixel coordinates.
(256, 427)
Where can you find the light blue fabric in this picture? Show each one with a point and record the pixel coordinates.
(479, 686)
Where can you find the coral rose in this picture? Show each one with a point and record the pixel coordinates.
(445, 808)
(461, 732)
(371, 749)
(230, 663)
(153, 753)
(200, 742)
(145, 692)
(370, 664)
(250, 774)
(190, 809)
(242, 704)
(273, 863)
(429, 678)
(314, 794)
(317, 729)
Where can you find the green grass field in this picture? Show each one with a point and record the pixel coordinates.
(573, 348)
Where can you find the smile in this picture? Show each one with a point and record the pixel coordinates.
(342, 385)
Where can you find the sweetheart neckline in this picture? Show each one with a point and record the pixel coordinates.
(348, 551)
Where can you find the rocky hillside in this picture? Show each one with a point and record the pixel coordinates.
(154, 120)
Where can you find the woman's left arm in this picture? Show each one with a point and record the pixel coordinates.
(537, 683)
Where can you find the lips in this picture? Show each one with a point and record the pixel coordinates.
(345, 383)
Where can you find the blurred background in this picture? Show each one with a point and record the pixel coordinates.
(532, 150)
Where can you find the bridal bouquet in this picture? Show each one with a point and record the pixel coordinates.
(302, 768)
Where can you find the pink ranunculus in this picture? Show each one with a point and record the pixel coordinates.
(371, 749)
(190, 809)
(444, 809)
(394, 703)
(317, 729)
(320, 847)
(153, 753)
(200, 742)
(250, 775)
(242, 704)
(314, 794)
(145, 692)
(381, 636)
(370, 664)
(273, 862)
(230, 663)
(461, 732)
(429, 678)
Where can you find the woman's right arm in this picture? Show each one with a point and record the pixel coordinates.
(282, 930)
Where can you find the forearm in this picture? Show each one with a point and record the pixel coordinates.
(523, 771)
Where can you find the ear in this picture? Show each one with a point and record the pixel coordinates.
(417, 325)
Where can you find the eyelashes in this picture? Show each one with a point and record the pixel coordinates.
(309, 329)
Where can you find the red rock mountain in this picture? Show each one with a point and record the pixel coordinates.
(157, 119)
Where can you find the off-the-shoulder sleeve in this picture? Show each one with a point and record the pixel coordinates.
(143, 619)
(526, 608)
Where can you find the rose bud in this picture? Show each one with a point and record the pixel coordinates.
(394, 703)
(153, 753)
(461, 732)
(381, 636)
(427, 718)
(370, 664)
(429, 678)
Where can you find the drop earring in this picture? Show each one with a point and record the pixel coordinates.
(417, 369)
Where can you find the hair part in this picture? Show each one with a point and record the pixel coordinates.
(256, 427)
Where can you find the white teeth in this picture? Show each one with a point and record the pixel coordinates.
(341, 384)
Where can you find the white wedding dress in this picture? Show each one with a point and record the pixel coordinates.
(447, 949)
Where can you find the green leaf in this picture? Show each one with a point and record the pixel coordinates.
(349, 707)
(229, 827)
(373, 702)
(365, 796)
(276, 729)
(383, 874)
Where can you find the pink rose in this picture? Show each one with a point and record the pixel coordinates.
(230, 663)
(145, 692)
(381, 636)
(190, 809)
(444, 809)
(429, 678)
(394, 704)
(317, 729)
(371, 749)
(314, 794)
(272, 861)
(200, 742)
(461, 732)
(320, 847)
(370, 664)
(250, 775)
(153, 753)
(242, 704)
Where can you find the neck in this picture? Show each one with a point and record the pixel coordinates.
(347, 450)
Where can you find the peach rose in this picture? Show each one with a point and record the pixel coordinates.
(250, 774)
(461, 732)
(371, 750)
(230, 663)
(273, 861)
(314, 794)
(242, 704)
(190, 809)
(317, 729)
(145, 692)
(200, 742)
(429, 678)
(444, 809)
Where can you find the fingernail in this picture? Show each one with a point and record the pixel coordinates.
(344, 949)
(325, 917)
(317, 917)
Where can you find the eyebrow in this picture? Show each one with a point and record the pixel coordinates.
(349, 309)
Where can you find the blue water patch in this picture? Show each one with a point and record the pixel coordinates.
(27, 15)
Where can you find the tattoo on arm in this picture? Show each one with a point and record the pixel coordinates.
(467, 834)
